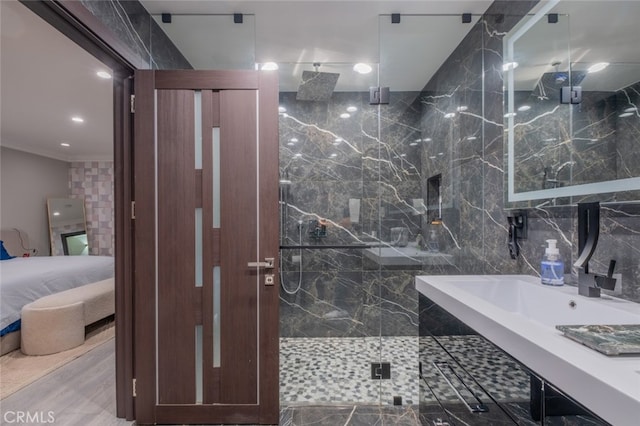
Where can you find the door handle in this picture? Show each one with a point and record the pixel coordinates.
(269, 263)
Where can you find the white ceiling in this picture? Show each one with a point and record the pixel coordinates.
(45, 79)
(336, 34)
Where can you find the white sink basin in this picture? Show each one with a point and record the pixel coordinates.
(519, 315)
(524, 295)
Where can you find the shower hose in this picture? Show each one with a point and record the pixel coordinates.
(284, 287)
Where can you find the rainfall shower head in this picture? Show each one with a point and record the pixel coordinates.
(549, 84)
(316, 86)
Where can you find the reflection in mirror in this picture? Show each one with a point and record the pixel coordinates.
(67, 226)
(572, 96)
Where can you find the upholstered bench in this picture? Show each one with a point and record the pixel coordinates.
(56, 322)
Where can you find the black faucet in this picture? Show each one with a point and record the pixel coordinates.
(589, 284)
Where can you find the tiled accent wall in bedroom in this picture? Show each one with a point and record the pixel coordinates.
(93, 181)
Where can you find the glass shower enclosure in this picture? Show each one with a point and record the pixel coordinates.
(334, 343)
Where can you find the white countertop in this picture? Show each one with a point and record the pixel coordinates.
(608, 386)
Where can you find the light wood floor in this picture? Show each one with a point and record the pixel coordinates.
(79, 393)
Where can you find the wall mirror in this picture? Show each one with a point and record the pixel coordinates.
(572, 99)
(67, 227)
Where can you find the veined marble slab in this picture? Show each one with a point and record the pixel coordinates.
(609, 339)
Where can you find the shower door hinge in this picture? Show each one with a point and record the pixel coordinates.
(380, 370)
(378, 95)
(135, 392)
(133, 210)
(133, 103)
(571, 95)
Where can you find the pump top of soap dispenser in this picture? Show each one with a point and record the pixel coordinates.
(552, 250)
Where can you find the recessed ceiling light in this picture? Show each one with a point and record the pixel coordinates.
(269, 66)
(625, 114)
(471, 138)
(427, 140)
(103, 74)
(450, 115)
(345, 115)
(441, 153)
(413, 144)
(290, 143)
(507, 66)
(56, 213)
(77, 119)
(598, 67)
(403, 155)
(462, 108)
(362, 68)
(432, 157)
(352, 108)
(282, 109)
(510, 114)
(523, 108)
(294, 140)
(333, 155)
(298, 155)
(631, 109)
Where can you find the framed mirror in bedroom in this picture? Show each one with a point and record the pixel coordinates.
(67, 227)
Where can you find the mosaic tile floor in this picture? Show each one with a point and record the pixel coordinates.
(334, 370)
(328, 371)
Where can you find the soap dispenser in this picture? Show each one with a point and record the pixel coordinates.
(552, 266)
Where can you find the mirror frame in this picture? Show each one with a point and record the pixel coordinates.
(52, 242)
(603, 187)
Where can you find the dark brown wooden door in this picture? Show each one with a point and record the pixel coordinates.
(206, 218)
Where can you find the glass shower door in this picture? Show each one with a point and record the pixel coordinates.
(329, 310)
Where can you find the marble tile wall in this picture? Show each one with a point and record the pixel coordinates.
(133, 25)
(329, 161)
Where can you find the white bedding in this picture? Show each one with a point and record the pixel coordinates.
(25, 279)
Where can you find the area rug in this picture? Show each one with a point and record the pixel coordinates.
(17, 370)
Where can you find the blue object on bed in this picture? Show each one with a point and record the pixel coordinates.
(14, 326)
(4, 255)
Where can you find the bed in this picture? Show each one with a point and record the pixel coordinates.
(26, 279)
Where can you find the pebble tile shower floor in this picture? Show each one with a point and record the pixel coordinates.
(337, 370)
